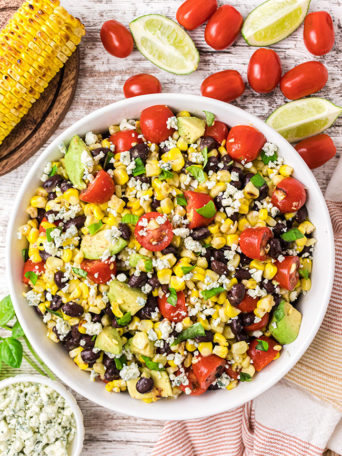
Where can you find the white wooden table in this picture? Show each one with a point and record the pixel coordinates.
(101, 79)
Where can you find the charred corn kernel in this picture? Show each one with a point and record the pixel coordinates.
(152, 168)
(184, 114)
(250, 370)
(214, 229)
(257, 265)
(289, 215)
(205, 348)
(54, 263)
(233, 384)
(202, 262)
(190, 347)
(232, 239)
(188, 361)
(223, 176)
(250, 284)
(71, 195)
(253, 217)
(38, 201)
(239, 348)
(301, 242)
(226, 225)
(164, 276)
(285, 170)
(162, 189)
(306, 227)
(263, 214)
(218, 242)
(120, 176)
(166, 206)
(177, 283)
(75, 352)
(34, 255)
(230, 311)
(52, 336)
(220, 351)
(145, 325)
(244, 206)
(305, 284)
(116, 310)
(276, 179)
(220, 187)
(213, 276)
(243, 224)
(33, 235)
(270, 271)
(186, 322)
(270, 221)
(264, 306)
(228, 333)
(84, 290)
(182, 144)
(117, 204)
(251, 191)
(220, 339)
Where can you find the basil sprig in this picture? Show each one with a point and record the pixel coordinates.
(187, 269)
(95, 227)
(181, 200)
(257, 180)
(292, 235)
(80, 272)
(165, 174)
(262, 345)
(204, 152)
(208, 210)
(196, 172)
(304, 273)
(125, 319)
(139, 167)
(172, 298)
(210, 118)
(53, 171)
(194, 331)
(245, 377)
(268, 158)
(32, 276)
(207, 294)
(131, 219)
(152, 365)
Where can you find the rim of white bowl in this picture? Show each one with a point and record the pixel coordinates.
(270, 380)
(77, 443)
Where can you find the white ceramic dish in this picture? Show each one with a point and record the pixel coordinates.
(313, 306)
(77, 443)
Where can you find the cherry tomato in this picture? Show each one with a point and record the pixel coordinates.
(225, 85)
(253, 242)
(244, 143)
(153, 123)
(193, 384)
(262, 358)
(304, 80)
(260, 324)
(124, 140)
(173, 313)
(207, 369)
(223, 27)
(248, 304)
(287, 275)
(231, 373)
(100, 190)
(319, 35)
(99, 271)
(196, 200)
(264, 70)
(218, 131)
(141, 84)
(29, 266)
(152, 233)
(116, 39)
(317, 150)
(289, 195)
(193, 13)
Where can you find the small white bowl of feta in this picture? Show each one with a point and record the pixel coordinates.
(39, 417)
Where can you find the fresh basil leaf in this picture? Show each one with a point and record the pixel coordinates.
(172, 298)
(196, 172)
(24, 254)
(212, 292)
(292, 235)
(95, 227)
(148, 265)
(6, 310)
(165, 174)
(49, 231)
(58, 314)
(208, 210)
(80, 272)
(119, 362)
(279, 313)
(17, 330)
(125, 319)
(194, 331)
(53, 170)
(245, 377)
(131, 219)
(11, 352)
(181, 200)
(210, 118)
(32, 276)
(108, 158)
(151, 364)
(204, 152)
(93, 338)
(139, 167)
(262, 345)
(258, 180)
(304, 273)
(187, 269)
(268, 158)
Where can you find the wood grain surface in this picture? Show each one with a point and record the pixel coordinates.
(100, 83)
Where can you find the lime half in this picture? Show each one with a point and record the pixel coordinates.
(165, 43)
(303, 118)
(273, 21)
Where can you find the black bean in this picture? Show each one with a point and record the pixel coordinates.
(143, 179)
(89, 356)
(52, 182)
(139, 151)
(44, 255)
(268, 285)
(149, 308)
(219, 254)
(96, 318)
(40, 215)
(70, 343)
(212, 165)
(247, 318)
(209, 337)
(125, 231)
(38, 311)
(78, 222)
(112, 373)
(209, 142)
(154, 282)
(209, 253)
(200, 233)
(108, 311)
(242, 336)
(87, 341)
(227, 162)
(275, 248)
(107, 361)
(301, 215)
(51, 196)
(279, 229)
(307, 250)
(155, 204)
(59, 279)
(236, 326)
(170, 249)
(138, 281)
(242, 274)
(72, 309)
(104, 150)
(241, 181)
(248, 177)
(219, 267)
(236, 294)
(144, 385)
(213, 387)
(234, 217)
(75, 333)
(65, 185)
(56, 303)
(164, 348)
(244, 260)
(218, 201)
(277, 299)
(263, 192)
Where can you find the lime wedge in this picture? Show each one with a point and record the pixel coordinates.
(303, 118)
(273, 21)
(165, 43)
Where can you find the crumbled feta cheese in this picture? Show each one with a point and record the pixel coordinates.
(182, 232)
(63, 328)
(125, 158)
(121, 277)
(92, 329)
(172, 123)
(129, 372)
(127, 124)
(90, 138)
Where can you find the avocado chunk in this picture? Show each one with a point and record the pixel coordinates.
(140, 261)
(191, 128)
(162, 386)
(75, 161)
(109, 340)
(162, 383)
(93, 247)
(285, 323)
(140, 344)
(127, 298)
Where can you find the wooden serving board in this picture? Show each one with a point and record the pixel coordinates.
(46, 113)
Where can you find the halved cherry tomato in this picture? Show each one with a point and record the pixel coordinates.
(193, 384)
(317, 150)
(218, 131)
(303, 80)
(153, 234)
(196, 200)
(29, 266)
(173, 313)
(99, 271)
(289, 195)
(248, 304)
(207, 369)
(225, 85)
(153, 123)
(100, 190)
(141, 84)
(124, 140)
(319, 35)
(264, 70)
(262, 358)
(253, 242)
(223, 27)
(116, 39)
(244, 143)
(287, 275)
(259, 325)
(232, 373)
(193, 13)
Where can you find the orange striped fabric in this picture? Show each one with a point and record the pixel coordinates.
(238, 432)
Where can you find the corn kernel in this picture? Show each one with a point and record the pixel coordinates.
(220, 339)
(285, 170)
(164, 276)
(239, 348)
(305, 284)
(184, 114)
(257, 265)
(166, 206)
(175, 157)
(182, 145)
(71, 195)
(120, 176)
(186, 322)
(190, 347)
(218, 242)
(177, 283)
(230, 311)
(33, 235)
(270, 271)
(220, 351)
(306, 227)
(243, 224)
(219, 187)
(38, 201)
(232, 239)
(205, 348)
(264, 306)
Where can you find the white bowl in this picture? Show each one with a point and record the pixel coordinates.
(313, 305)
(77, 443)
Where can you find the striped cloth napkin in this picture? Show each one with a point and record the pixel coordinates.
(302, 414)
